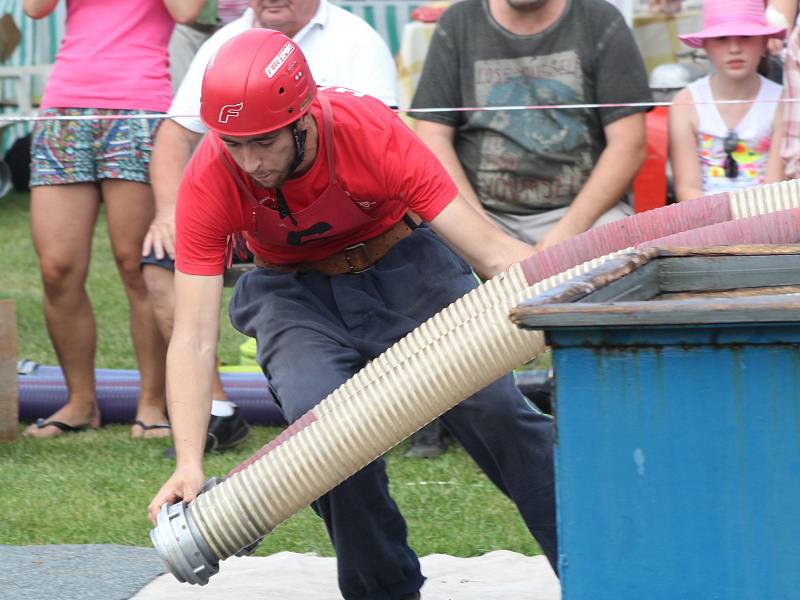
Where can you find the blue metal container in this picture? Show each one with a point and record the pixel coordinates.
(678, 444)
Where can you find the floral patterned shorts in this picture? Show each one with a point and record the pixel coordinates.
(80, 151)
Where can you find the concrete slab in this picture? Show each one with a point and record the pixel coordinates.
(499, 575)
(76, 571)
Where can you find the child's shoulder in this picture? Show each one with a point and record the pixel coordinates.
(698, 90)
(681, 111)
(682, 98)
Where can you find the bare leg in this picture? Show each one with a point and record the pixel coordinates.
(129, 211)
(217, 391)
(159, 282)
(160, 287)
(62, 222)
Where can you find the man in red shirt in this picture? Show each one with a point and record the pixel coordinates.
(319, 184)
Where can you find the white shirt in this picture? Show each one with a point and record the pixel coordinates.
(341, 49)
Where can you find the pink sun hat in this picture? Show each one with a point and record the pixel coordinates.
(723, 18)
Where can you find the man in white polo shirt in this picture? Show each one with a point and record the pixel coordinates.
(342, 50)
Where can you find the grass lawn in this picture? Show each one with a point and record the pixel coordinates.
(94, 487)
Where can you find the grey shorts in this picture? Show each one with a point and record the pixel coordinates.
(532, 228)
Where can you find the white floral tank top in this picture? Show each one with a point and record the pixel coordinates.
(754, 133)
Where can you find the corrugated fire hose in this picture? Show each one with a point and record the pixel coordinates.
(462, 349)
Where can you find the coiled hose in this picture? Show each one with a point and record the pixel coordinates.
(465, 347)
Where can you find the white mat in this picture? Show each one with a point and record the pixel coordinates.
(499, 575)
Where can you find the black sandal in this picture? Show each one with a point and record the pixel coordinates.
(146, 427)
(66, 428)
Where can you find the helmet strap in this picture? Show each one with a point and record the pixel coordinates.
(299, 136)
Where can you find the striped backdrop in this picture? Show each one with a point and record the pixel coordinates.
(39, 43)
(386, 16)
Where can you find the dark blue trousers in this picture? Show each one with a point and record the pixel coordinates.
(314, 332)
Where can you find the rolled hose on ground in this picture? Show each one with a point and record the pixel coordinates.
(428, 372)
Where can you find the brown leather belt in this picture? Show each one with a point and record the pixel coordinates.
(353, 259)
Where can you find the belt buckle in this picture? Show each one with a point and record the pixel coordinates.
(351, 266)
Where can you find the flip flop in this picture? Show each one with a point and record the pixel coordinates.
(66, 428)
(146, 427)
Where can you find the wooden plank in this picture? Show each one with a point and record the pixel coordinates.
(616, 292)
(9, 406)
(686, 274)
(741, 250)
(581, 286)
(759, 309)
(640, 284)
(737, 293)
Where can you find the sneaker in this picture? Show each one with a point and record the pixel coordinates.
(223, 433)
(428, 442)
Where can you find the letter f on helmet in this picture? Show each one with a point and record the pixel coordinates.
(229, 110)
(259, 81)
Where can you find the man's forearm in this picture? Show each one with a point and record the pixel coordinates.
(172, 151)
(617, 165)
(189, 398)
(478, 239)
(615, 170)
(191, 359)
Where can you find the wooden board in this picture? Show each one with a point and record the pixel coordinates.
(670, 286)
(9, 406)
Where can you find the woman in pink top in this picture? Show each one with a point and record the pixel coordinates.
(112, 63)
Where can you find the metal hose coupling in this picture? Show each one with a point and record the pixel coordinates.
(182, 547)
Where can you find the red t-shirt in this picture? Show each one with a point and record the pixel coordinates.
(379, 161)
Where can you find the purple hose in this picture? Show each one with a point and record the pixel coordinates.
(45, 391)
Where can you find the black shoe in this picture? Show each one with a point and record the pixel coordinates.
(223, 433)
(414, 596)
(428, 442)
(537, 386)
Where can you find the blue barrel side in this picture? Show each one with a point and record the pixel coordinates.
(678, 462)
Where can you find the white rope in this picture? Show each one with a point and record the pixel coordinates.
(29, 119)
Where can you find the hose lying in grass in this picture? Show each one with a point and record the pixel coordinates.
(462, 349)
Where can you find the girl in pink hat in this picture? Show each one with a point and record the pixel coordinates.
(717, 146)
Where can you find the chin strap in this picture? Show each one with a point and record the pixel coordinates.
(299, 136)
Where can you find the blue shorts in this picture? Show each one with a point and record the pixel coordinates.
(81, 151)
(165, 263)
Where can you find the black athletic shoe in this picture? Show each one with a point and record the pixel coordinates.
(428, 442)
(226, 432)
(223, 433)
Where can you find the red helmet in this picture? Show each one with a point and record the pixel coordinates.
(257, 82)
